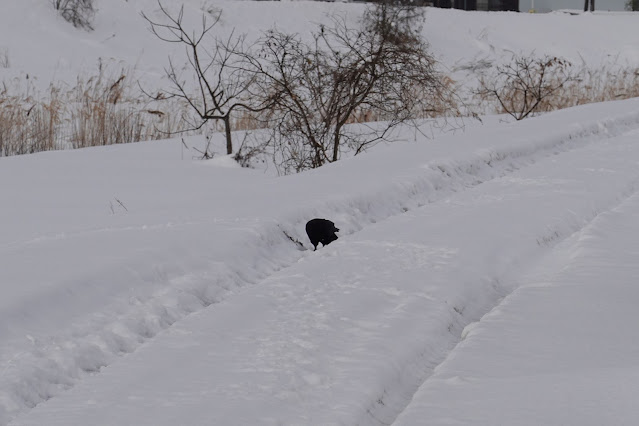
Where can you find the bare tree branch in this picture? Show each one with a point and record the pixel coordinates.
(214, 86)
(379, 71)
(526, 84)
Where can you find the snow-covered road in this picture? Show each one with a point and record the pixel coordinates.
(560, 350)
(352, 334)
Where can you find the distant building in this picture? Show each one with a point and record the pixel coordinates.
(495, 5)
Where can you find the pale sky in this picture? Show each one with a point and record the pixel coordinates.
(525, 5)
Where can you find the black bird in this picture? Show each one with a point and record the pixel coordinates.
(321, 231)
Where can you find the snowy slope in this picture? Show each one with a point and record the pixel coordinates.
(44, 46)
(561, 349)
(347, 334)
(194, 235)
(142, 286)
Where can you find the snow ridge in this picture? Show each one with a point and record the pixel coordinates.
(578, 265)
(396, 399)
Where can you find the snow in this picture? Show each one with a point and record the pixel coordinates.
(338, 329)
(485, 276)
(458, 38)
(559, 350)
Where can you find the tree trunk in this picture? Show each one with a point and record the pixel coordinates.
(592, 5)
(585, 5)
(227, 130)
(336, 142)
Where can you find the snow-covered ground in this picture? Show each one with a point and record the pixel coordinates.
(560, 350)
(482, 277)
(40, 44)
(433, 236)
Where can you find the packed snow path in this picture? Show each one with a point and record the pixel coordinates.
(560, 350)
(346, 335)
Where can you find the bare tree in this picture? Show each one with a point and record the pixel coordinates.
(214, 86)
(592, 5)
(525, 84)
(379, 71)
(78, 12)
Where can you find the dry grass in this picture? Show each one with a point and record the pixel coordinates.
(245, 121)
(26, 125)
(609, 83)
(100, 110)
(108, 108)
(4, 58)
(606, 83)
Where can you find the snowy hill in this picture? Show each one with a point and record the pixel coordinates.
(185, 266)
(473, 272)
(43, 45)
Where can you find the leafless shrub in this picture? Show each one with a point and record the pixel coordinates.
(381, 70)
(527, 84)
(308, 95)
(80, 13)
(249, 154)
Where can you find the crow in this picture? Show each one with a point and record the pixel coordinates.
(321, 231)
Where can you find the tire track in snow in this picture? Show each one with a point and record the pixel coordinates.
(59, 362)
(466, 326)
(389, 406)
